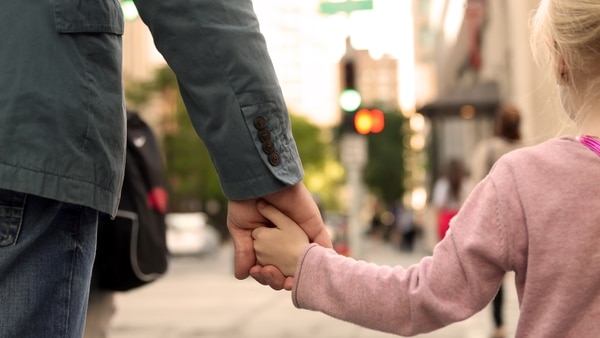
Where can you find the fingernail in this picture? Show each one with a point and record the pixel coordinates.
(261, 204)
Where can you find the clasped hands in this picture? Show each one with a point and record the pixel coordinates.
(289, 208)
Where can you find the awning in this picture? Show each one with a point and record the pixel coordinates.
(481, 100)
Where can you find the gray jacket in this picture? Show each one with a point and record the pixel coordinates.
(62, 119)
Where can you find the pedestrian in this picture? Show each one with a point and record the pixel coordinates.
(449, 193)
(62, 141)
(535, 214)
(406, 225)
(506, 138)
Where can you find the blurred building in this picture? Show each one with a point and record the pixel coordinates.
(377, 80)
(140, 62)
(471, 56)
(303, 48)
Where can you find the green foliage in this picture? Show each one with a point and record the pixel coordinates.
(192, 177)
(139, 94)
(323, 173)
(309, 141)
(384, 173)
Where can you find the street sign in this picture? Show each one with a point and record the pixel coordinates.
(345, 6)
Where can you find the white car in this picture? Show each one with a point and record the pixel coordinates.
(190, 234)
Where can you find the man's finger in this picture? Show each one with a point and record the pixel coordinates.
(244, 257)
(289, 283)
(323, 239)
(268, 275)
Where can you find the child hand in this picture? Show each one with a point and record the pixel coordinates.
(280, 246)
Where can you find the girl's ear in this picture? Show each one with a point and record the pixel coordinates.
(562, 77)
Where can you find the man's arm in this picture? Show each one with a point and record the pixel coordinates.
(230, 89)
(232, 94)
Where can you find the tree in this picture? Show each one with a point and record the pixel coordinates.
(191, 176)
(324, 175)
(384, 173)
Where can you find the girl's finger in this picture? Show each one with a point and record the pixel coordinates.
(279, 219)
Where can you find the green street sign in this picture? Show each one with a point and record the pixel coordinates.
(345, 6)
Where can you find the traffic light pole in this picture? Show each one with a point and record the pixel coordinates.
(354, 157)
(353, 146)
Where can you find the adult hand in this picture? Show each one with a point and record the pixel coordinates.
(294, 201)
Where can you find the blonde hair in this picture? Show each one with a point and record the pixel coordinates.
(569, 31)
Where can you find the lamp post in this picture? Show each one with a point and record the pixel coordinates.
(353, 146)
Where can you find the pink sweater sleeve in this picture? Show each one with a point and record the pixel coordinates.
(536, 214)
(460, 278)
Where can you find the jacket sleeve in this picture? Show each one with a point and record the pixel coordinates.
(230, 89)
(458, 280)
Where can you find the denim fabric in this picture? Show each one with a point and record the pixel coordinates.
(46, 255)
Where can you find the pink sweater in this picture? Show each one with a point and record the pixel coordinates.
(537, 214)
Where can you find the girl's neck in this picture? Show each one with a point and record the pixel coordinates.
(590, 124)
(587, 118)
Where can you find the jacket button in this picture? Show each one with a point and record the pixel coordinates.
(264, 135)
(274, 158)
(260, 123)
(268, 147)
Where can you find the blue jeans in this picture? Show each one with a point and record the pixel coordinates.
(47, 251)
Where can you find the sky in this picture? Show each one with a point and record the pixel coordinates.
(378, 29)
(306, 46)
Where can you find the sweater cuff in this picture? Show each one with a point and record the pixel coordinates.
(297, 274)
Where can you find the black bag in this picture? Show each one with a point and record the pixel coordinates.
(132, 249)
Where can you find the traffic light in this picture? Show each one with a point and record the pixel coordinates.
(355, 119)
(350, 98)
(363, 121)
(369, 121)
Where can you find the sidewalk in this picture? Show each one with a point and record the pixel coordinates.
(200, 298)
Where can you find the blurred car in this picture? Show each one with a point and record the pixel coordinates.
(190, 234)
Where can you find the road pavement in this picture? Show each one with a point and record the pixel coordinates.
(199, 297)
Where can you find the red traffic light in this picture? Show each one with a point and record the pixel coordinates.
(369, 121)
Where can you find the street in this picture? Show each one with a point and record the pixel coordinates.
(199, 297)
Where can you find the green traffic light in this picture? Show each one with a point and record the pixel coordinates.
(350, 100)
